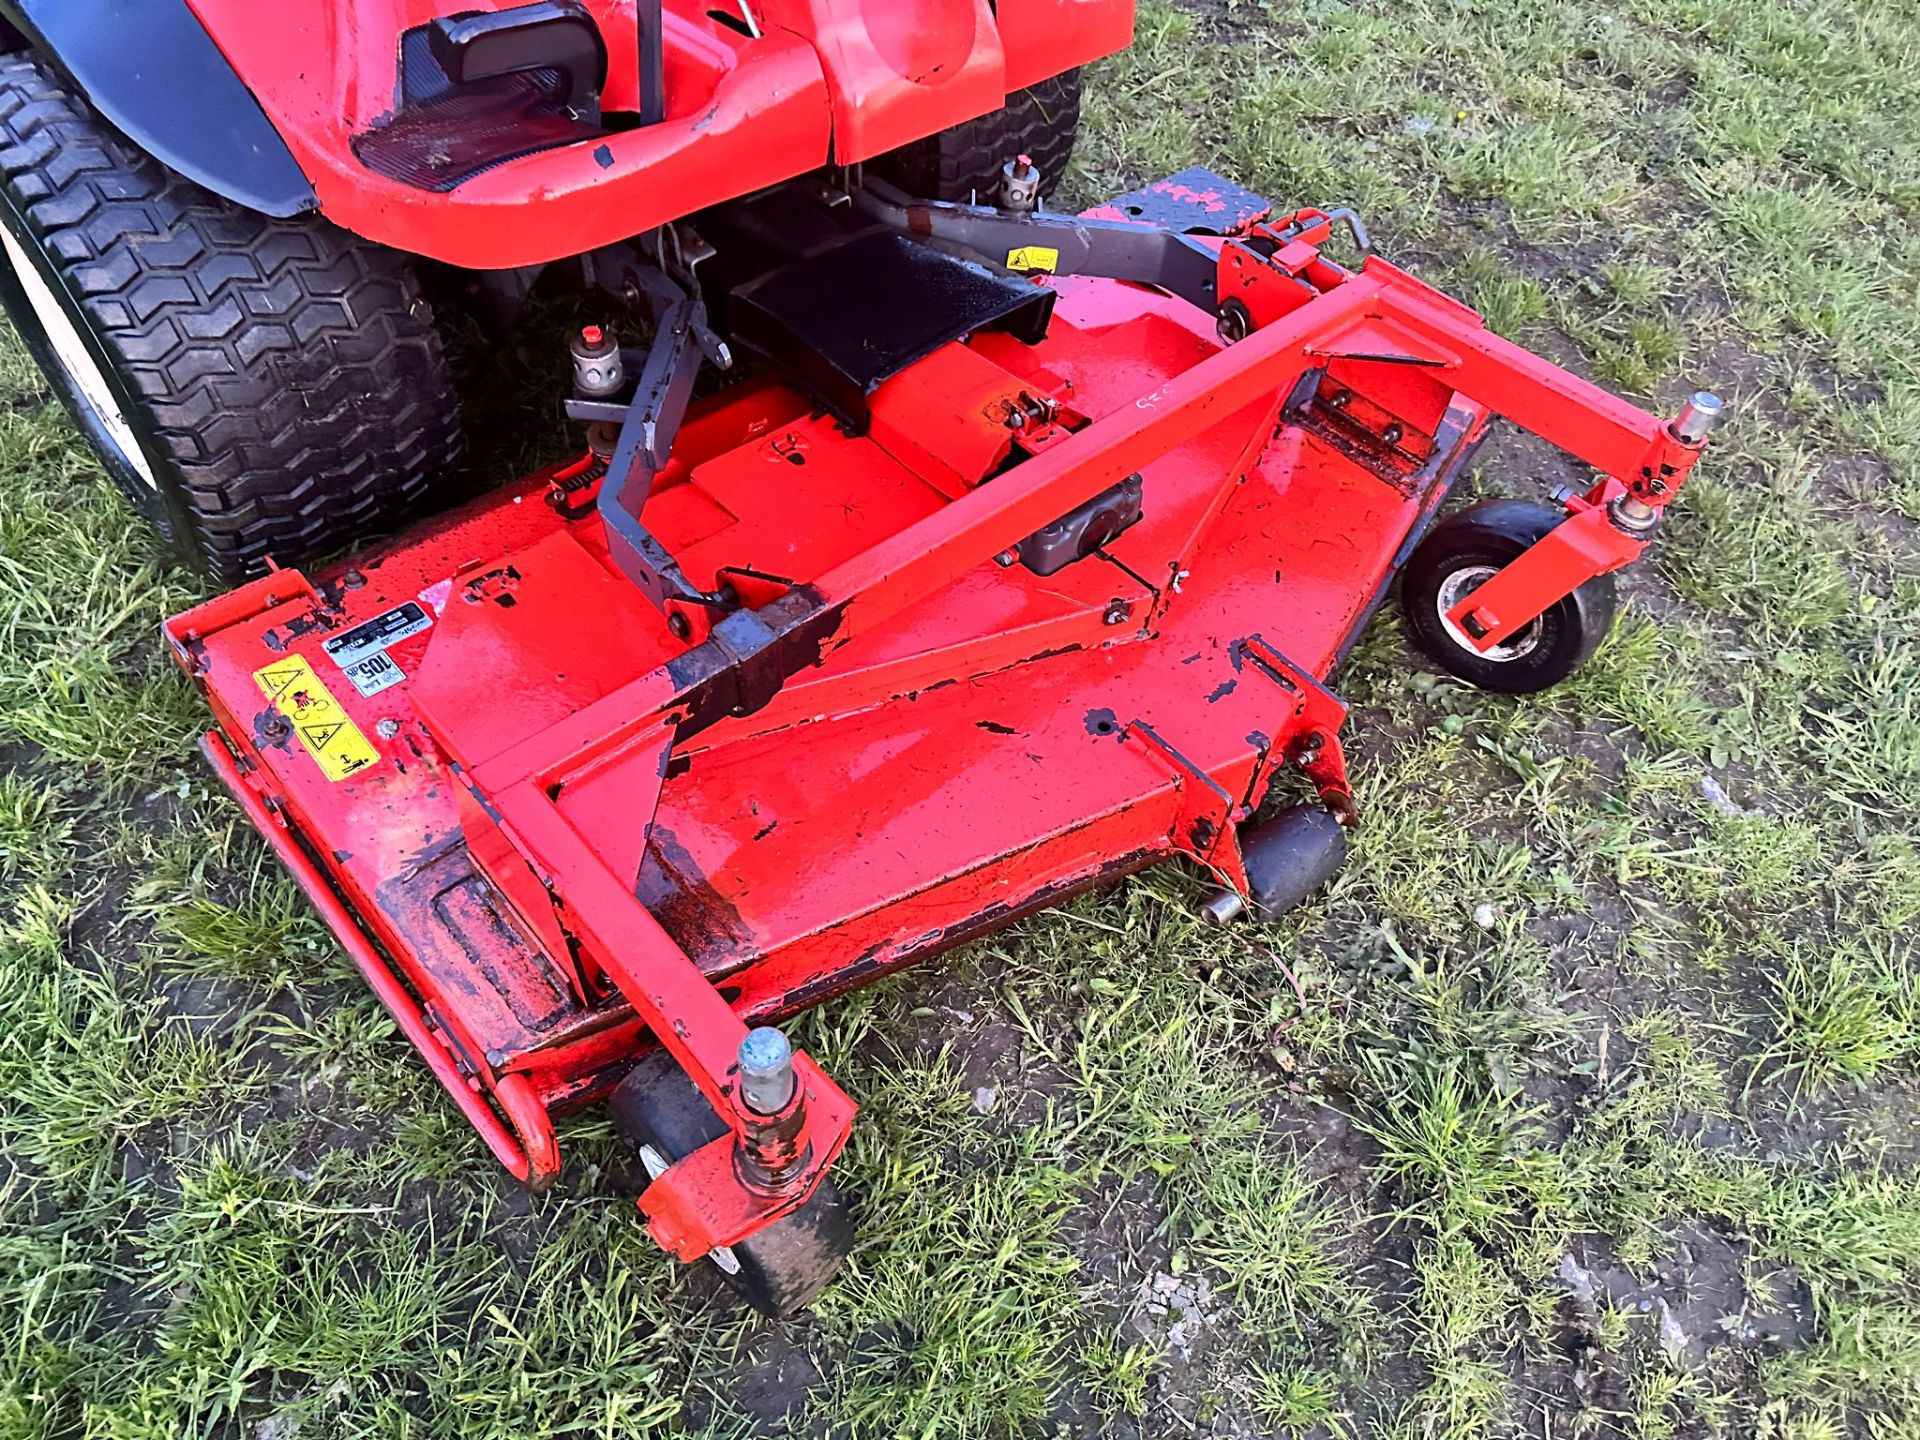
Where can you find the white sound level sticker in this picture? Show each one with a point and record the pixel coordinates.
(374, 673)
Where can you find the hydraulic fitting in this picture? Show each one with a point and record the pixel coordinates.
(597, 371)
(1020, 184)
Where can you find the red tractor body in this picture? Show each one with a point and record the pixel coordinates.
(726, 111)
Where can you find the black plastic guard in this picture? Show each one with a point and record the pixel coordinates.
(841, 319)
(151, 69)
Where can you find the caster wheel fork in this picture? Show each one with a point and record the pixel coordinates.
(1462, 553)
(662, 1116)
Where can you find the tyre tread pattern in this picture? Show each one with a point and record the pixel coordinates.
(965, 160)
(288, 372)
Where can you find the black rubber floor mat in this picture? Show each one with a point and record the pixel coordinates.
(440, 142)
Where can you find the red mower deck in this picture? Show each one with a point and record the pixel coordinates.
(557, 822)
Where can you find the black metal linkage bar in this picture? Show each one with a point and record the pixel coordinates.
(1110, 249)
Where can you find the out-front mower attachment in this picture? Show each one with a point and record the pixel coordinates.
(1020, 564)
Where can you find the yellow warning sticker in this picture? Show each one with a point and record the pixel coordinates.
(1043, 259)
(330, 736)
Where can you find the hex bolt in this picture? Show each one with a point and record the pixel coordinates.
(766, 1071)
(1698, 417)
(1117, 613)
(387, 728)
(680, 626)
(1041, 409)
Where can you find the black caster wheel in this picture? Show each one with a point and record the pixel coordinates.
(662, 1115)
(1287, 859)
(1462, 553)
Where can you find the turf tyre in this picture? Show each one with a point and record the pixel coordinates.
(964, 161)
(259, 387)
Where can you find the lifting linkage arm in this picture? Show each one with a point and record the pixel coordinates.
(1642, 462)
(649, 424)
(626, 738)
(1616, 438)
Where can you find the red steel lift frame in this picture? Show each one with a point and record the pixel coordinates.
(574, 825)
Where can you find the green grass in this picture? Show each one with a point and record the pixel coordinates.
(1613, 966)
(1846, 1015)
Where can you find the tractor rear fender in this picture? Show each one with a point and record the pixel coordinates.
(265, 103)
(898, 72)
(1043, 37)
(135, 60)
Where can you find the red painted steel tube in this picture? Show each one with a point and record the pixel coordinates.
(688, 1016)
(922, 557)
(528, 1114)
(1612, 435)
(532, 1125)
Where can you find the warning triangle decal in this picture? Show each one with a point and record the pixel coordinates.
(317, 736)
(276, 678)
